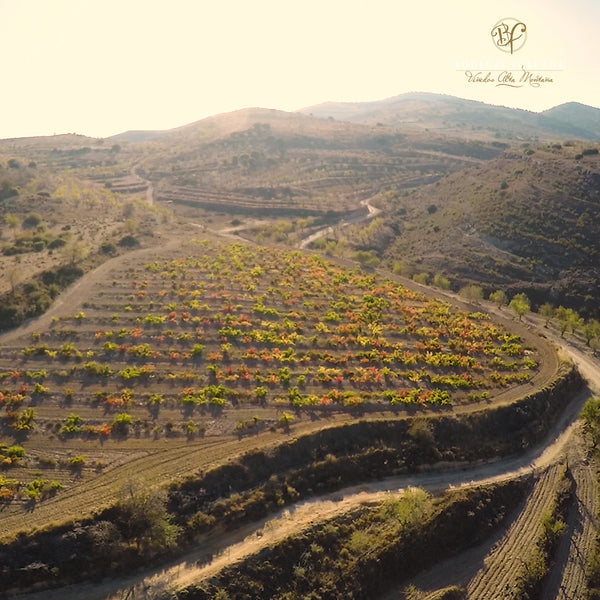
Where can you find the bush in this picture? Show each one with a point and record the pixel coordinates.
(589, 151)
(57, 243)
(121, 424)
(129, 241)
(32, 220)
(77, 462)
(108, 249)
(72, 424)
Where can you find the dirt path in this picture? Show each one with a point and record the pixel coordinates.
(147, 182)
(372, 212)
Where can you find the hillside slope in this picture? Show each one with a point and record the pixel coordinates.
(258, 160)
(527, 221)
(458, 116)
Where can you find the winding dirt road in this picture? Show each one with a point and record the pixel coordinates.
(372, 212)
(147, 182)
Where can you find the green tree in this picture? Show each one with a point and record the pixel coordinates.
(440, 281)
(471, 293)
(409, 509)
(422, 278)
(398, 268)
(520, 305)
(143, 520)
(367, 258)
(75, 251)
(590, 415)
(577, 322)
(591, 330)
(547, 312)
(563, 316)
(568, 319)
(12, 221)
(499, 298)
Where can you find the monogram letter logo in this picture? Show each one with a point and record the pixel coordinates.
(509, 35)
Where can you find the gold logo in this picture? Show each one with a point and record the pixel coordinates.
(509, 35)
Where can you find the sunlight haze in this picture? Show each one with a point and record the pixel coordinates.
(100, 68)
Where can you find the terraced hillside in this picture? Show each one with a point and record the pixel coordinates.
(284, 163)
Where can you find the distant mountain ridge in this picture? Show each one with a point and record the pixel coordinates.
(439, 111)
(413, 110)
(580, 116)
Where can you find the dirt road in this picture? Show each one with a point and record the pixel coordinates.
(147, 182)
(372, 212)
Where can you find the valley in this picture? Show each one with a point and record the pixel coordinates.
(341, 351)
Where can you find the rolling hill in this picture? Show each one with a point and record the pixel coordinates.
(447, 113)
(508, 212)
(527, 221)
(258, 160)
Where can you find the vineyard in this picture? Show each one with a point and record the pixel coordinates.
(233, 340)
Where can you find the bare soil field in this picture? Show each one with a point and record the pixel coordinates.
(568, 576)
(504, 563)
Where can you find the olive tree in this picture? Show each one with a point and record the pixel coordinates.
(142, 518)
(520, 305)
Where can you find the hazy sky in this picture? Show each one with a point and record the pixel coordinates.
(99, 67)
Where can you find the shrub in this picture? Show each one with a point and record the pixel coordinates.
(32, 220)
(72, 424)
(108, 249)
(77, 462)
(286, 419)
(197, 350)
(93, 368)
(128, 241)
(121, 424)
